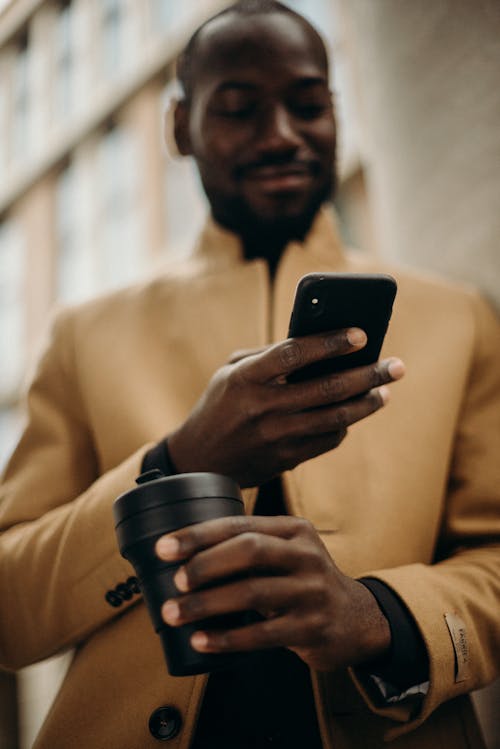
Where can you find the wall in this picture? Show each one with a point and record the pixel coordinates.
(427, 81)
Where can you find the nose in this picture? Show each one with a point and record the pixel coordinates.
(277, 131)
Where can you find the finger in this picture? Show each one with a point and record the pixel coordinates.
(339, 387)
(283, 631)
(305, 435)
(347, 413)
(185, 542)
(240, 354)
(252, 594)
(294, 353)
(244, 552)
(304, 449)
(309, 434)
(326, 420)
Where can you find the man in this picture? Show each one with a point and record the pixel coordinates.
(380, 599)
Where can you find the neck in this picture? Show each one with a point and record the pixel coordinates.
(265, 246)
(269, 240)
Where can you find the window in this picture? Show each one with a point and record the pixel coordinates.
(75, 273)
(98, 224)
(3, 115)
(20, 110)
(64, 60)
(162, 14)
(112, 30)
(169, 16)
(12, 329)
(10, 430)
(121, 258)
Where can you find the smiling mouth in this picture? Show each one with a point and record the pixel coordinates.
(279, 178)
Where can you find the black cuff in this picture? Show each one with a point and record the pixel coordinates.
(159, 457)
(407, 663)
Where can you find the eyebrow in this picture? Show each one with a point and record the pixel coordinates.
(305, 82)
(235, 84)
(311, 80)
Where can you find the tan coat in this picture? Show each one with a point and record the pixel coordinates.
(121, 372)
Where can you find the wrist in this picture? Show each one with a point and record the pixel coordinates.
(375, 634)
(159, 458)
(177, 456)
(406, 663)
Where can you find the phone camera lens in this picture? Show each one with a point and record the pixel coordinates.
(316, 305)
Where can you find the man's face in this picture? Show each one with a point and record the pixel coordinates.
(260, 122)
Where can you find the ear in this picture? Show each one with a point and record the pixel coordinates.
(181, 127)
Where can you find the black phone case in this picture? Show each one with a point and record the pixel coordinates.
(330, 301)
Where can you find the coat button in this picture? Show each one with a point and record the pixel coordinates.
(124, 591)
(133, 585)
(113, 598)
(165, 723)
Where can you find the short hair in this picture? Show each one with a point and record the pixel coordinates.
(186, 59)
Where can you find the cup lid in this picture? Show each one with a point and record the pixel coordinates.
(171, 489)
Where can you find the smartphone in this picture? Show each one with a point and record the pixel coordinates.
(330, 301)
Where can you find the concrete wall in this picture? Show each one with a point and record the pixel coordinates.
(427, 79)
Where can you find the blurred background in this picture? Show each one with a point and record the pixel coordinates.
(90, 199)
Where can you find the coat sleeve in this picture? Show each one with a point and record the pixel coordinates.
(58, 551)
(455, 602)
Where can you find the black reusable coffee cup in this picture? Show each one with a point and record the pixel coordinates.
(158, 506)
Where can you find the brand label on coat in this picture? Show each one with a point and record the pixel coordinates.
(458, 632)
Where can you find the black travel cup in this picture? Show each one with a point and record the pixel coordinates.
(158, 505)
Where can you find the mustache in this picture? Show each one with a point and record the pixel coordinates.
(277, 161)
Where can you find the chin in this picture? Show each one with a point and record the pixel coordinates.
(288, 205)
(279, 214)
(282, 212)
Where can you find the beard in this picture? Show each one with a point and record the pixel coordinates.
(262, 229)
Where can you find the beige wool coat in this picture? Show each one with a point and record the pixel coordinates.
(412, 496)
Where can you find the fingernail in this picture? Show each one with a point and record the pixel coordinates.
(396, 368)
(170, 612)
(356, 336)
(199, 641)
(167, 547)
(384, 393)
(181, 581)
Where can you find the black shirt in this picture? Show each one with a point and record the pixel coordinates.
(264, 700)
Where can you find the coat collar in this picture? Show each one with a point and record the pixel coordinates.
(219, 248)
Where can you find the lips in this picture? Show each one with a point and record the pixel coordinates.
(286, 177)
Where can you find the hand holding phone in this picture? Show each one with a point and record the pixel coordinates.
(332, 301)
(252, 424)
